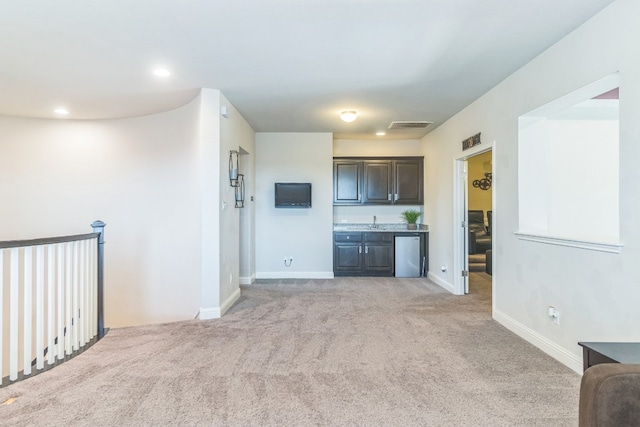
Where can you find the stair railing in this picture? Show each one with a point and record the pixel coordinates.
(51, 301)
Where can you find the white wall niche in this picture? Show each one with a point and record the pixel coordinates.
(568, 163)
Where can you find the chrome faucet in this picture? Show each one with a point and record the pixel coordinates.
(374, 222)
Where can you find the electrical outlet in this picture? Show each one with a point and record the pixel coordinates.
(553, 314)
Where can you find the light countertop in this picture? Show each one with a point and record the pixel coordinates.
(381, 228)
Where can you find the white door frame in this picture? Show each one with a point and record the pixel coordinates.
(460, 232)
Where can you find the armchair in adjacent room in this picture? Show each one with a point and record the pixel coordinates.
(479, 236)
(609, 396)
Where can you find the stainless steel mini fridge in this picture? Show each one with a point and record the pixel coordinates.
(407, 256)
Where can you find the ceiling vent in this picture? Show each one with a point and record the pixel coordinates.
(410, 125)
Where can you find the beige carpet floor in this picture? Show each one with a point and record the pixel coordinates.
(343, 352)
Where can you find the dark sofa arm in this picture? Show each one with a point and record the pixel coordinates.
(610, 395)
(472, 243)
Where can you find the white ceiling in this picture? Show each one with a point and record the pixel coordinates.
(286, 65)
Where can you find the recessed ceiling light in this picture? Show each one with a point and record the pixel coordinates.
(61, 111)
(348, 115)
(161, 72)
(381, 133)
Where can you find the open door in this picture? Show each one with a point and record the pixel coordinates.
(465, 226)
(461, 229)
(460, 215)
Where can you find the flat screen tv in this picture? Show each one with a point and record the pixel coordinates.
(293, 195)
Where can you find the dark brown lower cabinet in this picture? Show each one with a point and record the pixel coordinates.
(347, 254)
(363, 254)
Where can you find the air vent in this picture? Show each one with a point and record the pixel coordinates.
(409, 125)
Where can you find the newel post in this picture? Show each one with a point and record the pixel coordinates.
(98, 227)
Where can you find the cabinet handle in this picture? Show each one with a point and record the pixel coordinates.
(359, 196)
(389, 196)
(359, 249)
(396, 197)
(366, 249)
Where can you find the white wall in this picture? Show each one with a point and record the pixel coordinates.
(377, 148)
(210, 161)
(304, 234)
(220, 218)
(374, 148)
(140, 175)
(235, 134)
(574, 182)
(159, 183)
(596, 293)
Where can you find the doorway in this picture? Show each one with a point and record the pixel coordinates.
(474, 201)
(480, 222)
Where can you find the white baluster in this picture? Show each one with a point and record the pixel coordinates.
(68, 292)
(61, 298)
(93, 286)
(40, 307)
(81, 296)
(74, 299)
(51, 300)
(13, 323)
(1, 311)
(28, 310)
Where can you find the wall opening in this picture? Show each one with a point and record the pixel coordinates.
(568, 169)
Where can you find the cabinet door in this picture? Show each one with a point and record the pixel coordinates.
(377, 182)
(408, 188)
(347, 257)
(378, 258)
(378, 253)
(347, 182)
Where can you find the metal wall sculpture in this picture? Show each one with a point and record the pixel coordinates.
(484, 183)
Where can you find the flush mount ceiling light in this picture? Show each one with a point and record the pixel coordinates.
(348, 115)
(381, 133)
(161, 72)
(61, 111)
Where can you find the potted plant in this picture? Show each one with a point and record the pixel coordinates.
(411, 216)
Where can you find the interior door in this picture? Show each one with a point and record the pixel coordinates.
(465, 225)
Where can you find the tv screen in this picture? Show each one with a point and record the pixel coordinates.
(293, 195)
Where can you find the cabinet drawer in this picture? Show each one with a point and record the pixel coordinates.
(378, 237)
(347, 237)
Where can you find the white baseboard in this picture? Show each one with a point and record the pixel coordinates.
(294, 275)
(217, 312)
(244, 280)
(559, 353)
(440, 282)
(209, 313)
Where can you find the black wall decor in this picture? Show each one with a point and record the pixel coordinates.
(239, 189)
(233, 168)
(471, 142)
(484, 183)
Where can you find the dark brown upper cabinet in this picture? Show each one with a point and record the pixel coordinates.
(409, 182)
(347, 182)
(378, 181)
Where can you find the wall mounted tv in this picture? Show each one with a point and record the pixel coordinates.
(293, 195)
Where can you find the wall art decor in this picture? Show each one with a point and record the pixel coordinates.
(471, 142)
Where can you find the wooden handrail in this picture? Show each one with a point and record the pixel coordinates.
(46, 240)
